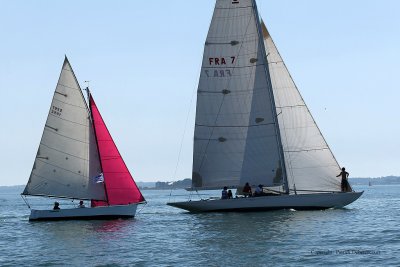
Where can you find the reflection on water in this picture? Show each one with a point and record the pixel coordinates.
(112, 226)
(68, 231)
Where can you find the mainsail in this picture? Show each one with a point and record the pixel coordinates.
(310, 163)
(61, 167)
(236, 138)
(120, 186)
(252, 124)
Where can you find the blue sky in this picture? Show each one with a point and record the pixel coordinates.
(143, 60)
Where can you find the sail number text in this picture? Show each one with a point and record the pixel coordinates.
(221, 60)
(218, 73)
(56, 110)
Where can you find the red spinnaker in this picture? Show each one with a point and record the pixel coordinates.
(120, 187)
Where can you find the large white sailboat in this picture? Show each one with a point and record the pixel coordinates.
(253, 126)
(78, 159)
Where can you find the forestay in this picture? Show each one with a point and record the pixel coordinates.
(310, 164)
(61, 167)
(235, 139)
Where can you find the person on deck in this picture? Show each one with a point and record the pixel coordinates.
(230, 195)
(344, 183)
(259, 191)
(247, 190)
(224, 193)
(81, 204)
(56, 206)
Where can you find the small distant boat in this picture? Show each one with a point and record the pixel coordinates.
(253, 126)
(78, 159)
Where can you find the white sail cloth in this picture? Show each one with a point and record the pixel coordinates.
(310, 163)
(235, 139)
(67, 159)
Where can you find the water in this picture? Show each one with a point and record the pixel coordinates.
(365, 233)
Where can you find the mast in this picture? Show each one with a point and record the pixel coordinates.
(270, 91)
(97, 144)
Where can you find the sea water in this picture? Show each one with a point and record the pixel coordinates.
(366, 233)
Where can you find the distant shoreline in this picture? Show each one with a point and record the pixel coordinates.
(186, 183)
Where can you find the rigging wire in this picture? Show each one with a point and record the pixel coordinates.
(144, 205)
(26, 201)
(184, 133)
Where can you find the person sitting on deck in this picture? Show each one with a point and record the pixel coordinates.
(344, 184)
(81, 204)
(230, 195)
(259, 191)
(247, 190)
(56, 206)
(224, 193)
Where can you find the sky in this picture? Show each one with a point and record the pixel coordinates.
(143, 60)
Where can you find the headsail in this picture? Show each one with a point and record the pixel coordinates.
(61, 167)
(235, 138)
(310, 163)
(120, 186)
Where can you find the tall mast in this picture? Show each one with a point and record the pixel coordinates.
(271, 93)
(97, 144)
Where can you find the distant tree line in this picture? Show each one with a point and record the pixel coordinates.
(376, 181)
(185, 183)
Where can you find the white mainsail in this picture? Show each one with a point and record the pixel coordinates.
(67, 159)
(310, 164)
(236, 138)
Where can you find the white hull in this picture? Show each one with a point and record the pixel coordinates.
(106, 212)
(298, 202)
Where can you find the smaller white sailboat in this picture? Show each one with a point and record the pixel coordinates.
(78, 159)
(253, 126)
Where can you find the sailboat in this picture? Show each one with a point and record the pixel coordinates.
(78, 159)
(253, 126)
